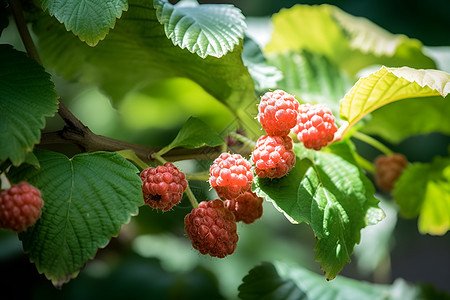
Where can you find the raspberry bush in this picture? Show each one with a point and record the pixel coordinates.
(117, 111)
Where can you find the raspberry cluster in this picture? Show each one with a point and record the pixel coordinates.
(247, 207)
(163, 186)
(20, 207)
(315, 126)
(388, 169)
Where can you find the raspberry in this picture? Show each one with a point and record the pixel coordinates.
(246, 207)
(273, 156)
(212, 228)
(20, 207)
(388, 169)
(278, 112)
(230, 175)
(315, 126)
(163, 187)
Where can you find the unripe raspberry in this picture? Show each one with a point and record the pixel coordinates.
(388, 169)
(273, 156)
(278, 112)
(246, 207)
(315, 126)
(20, 207)
(212, 228)
(163, 186)
(230, 175)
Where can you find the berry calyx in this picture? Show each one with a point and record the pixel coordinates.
(388, 169)
(212, 229)
(20, 207)
(230, 175)
(315, 126)
(278, 112)
(163, 186)
(246, 207)
(273, 156)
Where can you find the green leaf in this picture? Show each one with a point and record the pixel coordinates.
(393, 121)
(312, 77)
(86, 200)
(350, 42)
(331, 194)
(264, 75)
(424, 190)
(90, 20)
(194, 134)
(388, 85)
(139, 48)
(208, 29)
(305, 285)
(27, 96)
(263, 282)
(3, 16)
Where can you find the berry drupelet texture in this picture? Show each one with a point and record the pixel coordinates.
(247, 207)
(388, 169)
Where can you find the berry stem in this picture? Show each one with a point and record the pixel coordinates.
(131, 155)
(191, 197)
(201, 176)
(373, 142)
(159, 158)
(243, 139)
(364, 163)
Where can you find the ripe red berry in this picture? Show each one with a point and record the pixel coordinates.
(163, 186)
(388, 169)
(230, 175)
(212, 228)
(20, 207)
(246, 207)
(273, 156)
(278, 112)
(315, 126)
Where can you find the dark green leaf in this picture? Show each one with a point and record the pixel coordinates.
(27, 96)
(86, 200)
(330, 193)
(424, 190)
(207, 29)
(3, 16)
(90, 20)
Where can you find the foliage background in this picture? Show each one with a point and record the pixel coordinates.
(151, 254)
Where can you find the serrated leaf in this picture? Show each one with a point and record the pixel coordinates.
(207, 29)
(194, 134)
(27, 96)
(86, 200)
(330, 193)
(424, 190)
(388, 85)
(350, 42)
(392, 122)
(309, 285)
(90, 20)
(263, 282)
(264, 75)
(139, 48)
(313, 78)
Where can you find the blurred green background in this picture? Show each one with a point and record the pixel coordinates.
(151, 258)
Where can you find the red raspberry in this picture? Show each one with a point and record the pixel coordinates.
(212, 228)
(273, 156)
(246, 207)
(388, 169)
(315, 126)
(163, 187)
(230, 175)
(278, 112)
(20, 207)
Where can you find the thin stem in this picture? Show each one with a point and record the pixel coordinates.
(191, 197)
(202, 176)
(243, 139)
(17, 12)
(364, 163)
(373, 142)
(130, 155)
(159, 158)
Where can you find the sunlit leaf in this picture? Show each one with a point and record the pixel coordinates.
(207, 29)
(90, 20)
(27, 96)
(86, 200)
